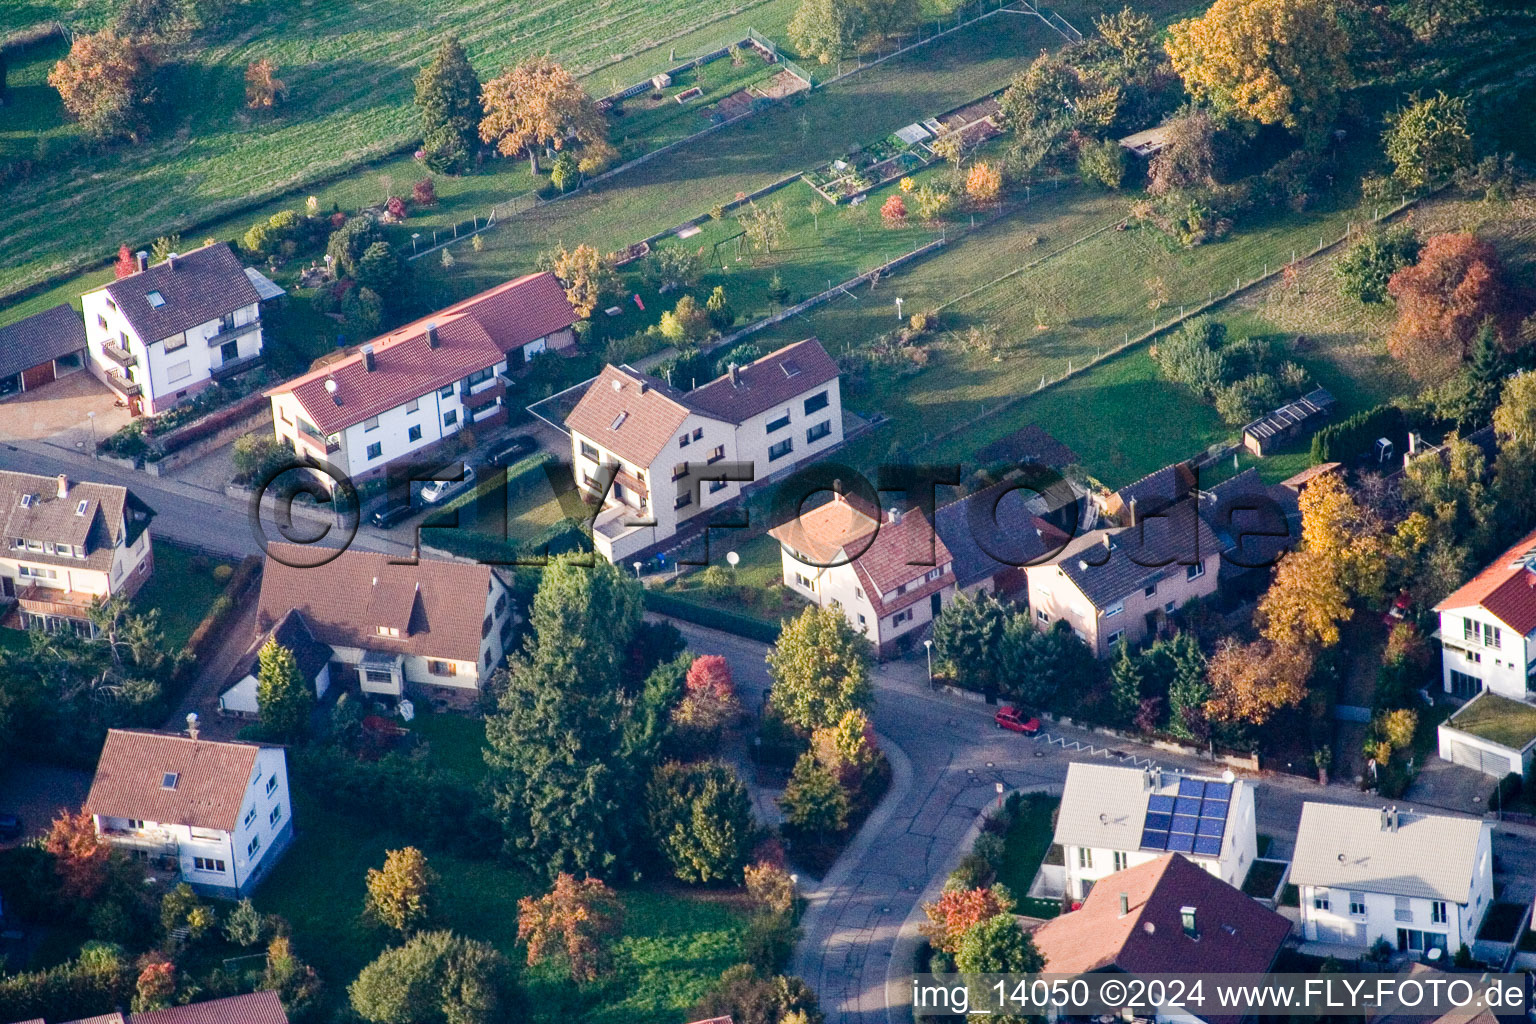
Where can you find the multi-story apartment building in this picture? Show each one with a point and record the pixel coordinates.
(68, 545)
(659, 444)
(216, 814)
(166, 332)
(405, 391)
(1420, 881)
(889, 578)
(1488, 628)
(1114, 818)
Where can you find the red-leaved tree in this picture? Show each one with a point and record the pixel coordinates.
(894, 212)
(956, 910)
(126, 264)
(709, 696)
(79, 856)
(579, 919)
(424, 193)
(1442, 300)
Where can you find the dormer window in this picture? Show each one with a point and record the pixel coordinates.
(156, 300)
(81, 507)
(170, 780)
(389, 631)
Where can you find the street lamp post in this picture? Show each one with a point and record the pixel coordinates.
(898, 309)
(414, 235)
(91, 415)
(637, 569)
(999, 795)
(928, 645)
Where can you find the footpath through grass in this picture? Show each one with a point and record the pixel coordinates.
(675, 943)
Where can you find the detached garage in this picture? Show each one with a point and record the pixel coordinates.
(1492, 734)
(40, 349)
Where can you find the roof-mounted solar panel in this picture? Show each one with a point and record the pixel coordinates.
(1154, 839)
(1191, 787)
(1187, 805)
(1208, 846)
(1178, 843)
(1159, 821)
(1160, 802)
(1212, 827)
(1218, 790)
(1186, 823)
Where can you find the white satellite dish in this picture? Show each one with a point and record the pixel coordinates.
(1228, 776)
(733, 558)
(330, 386)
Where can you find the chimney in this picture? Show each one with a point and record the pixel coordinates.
(1125, 903)
(1386, 818)
(1109, 544)
(644, 387)
(1394, 817)
(192, 724)
(141, 258)
(1133, 512)
(895, 516)
(63, 486)
(1187, 919)
(170, 261)
(369, 364)
(432, 338)
(837, 490)
(735, 372)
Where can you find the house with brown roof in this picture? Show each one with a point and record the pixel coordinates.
(665, 451)
(1166, 916)
(66, 545)
(420, 384)
(167, 331)
(214, 814)
(889, 576)
(437, 629)
(40, 349)
(1488, 628)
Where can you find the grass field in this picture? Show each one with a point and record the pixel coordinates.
(674, 945)
(1025, 844)
(181, 588)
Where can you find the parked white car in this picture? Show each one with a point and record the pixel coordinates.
(434, 491)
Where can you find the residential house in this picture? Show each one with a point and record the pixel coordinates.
(1113, 818)
(170, 330)
(890, 579)
(251, 1008)
(1165, 916)
(1488, 628)
(437, 628)
(68, 545)
(1255, 523)
(1289, 423)
(772, 414)
(312, 661)
(406, 391)
(993, 533)
(1155, 492)
(1420, 881)
(216, 814)
(1123, 583)
(40, 349)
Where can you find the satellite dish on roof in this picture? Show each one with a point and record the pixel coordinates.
(1228, 776)
(330, 385)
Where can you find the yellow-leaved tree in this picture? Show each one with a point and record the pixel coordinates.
(1271, 61)
(536, 104)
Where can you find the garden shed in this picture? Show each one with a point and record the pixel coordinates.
(1288, 423)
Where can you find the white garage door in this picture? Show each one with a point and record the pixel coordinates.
(1485, 761)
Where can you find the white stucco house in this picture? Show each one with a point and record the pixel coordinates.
(1488, 628)
(217, 814)
(167, 331)
(311, 658)
(436, 629)
(403, 392)
(1115, 818)
(67, 545)
(659, 444)
(1420, 881)
(890, 576)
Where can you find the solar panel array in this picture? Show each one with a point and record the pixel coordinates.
(1191, 821)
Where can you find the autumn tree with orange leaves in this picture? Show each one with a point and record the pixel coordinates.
(894, 212)
(536, 104)
(104, 84)
(1442, 300)
(957, 910)
(262, 86)
(80, 856)
(576, 920)
(984, 184)
(1250, 682)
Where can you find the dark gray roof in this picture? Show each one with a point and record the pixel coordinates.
(770, 381)
(292, 632)
(1137, 556)
(996, 520)
(1248, 516)
(1311, 406)
(31, 509)
(1157, 489)
(37, 339)
(205, 284)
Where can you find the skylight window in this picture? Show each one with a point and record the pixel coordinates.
(26, 501)
(791, 368)
(618, 421)
(80, 508)
(156, 300)
(169, 780)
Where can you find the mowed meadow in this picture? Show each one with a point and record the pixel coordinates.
(348, 66)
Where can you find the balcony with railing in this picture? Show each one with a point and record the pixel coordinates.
(229, 331)
(232, 367)
(119, 355)
(120, 383)
(69, 604)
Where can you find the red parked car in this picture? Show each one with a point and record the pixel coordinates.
(1016, 720)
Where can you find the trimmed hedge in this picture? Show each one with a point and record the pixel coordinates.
(246, 575)
(71, 990)
(556, 539)
(1349, 438)
(715, 618)
(181, 437)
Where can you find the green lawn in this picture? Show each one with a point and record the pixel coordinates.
(34, 119)
(1509, 723)
(455, 740)
(1027, 840)
(675, 944)
(13, 640)
(181, 588)
(757, 591)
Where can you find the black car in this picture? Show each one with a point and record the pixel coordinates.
(10, 826)
(389, 515)
(513, 449)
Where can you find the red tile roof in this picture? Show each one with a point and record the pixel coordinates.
(212, 778)
(629, 413)
(899, 552)
(772, 380)
(251, 1008)
(1506, 589)
(1235, 931)
(437, 606)
(473, 334)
